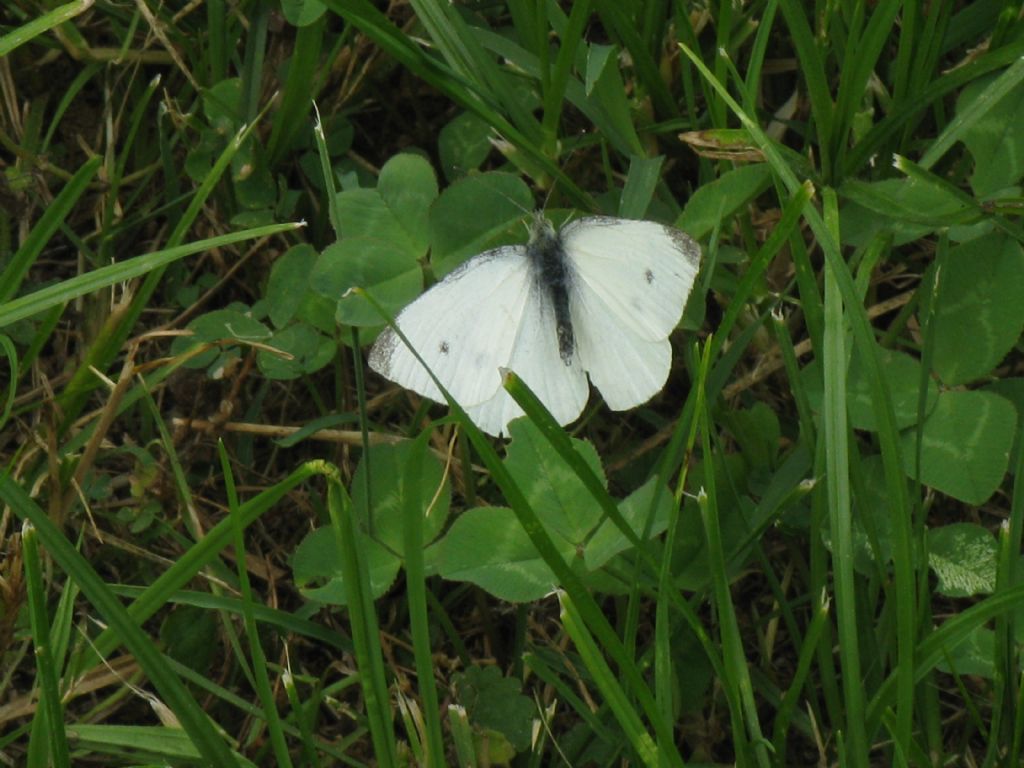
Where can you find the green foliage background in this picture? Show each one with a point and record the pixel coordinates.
(227, 543)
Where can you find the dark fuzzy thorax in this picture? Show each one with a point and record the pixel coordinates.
(551, 270)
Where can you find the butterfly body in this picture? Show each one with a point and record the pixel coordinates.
(552, 273)
(598, 298)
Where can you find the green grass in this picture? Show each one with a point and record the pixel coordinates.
(227, 542)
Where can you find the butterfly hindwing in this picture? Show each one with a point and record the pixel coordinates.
(626, 368)
(561, 385)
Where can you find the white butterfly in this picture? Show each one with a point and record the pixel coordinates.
(598, 297)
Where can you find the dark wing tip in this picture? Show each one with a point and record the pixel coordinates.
(382, 351)
(689, 247)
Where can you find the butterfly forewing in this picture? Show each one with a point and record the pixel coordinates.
(642, 271)
(630, 282)
(463, 328)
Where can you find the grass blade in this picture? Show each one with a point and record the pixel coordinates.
(812, 68)
(45, 228)
(417, 599)
(54, 748)
(739, 689)
(259, 658)
(837, 474)
(363, 620)
(42, 24)
(863, 337)
(63, 292)
(191, 716)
